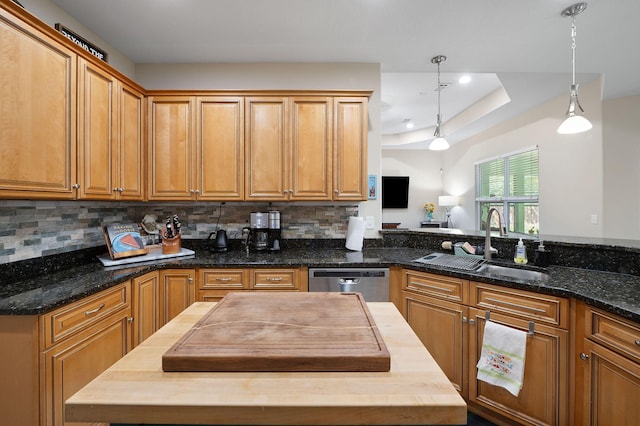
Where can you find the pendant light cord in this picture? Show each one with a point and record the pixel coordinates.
(573, 49)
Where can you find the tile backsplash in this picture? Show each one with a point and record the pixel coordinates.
(30, 229)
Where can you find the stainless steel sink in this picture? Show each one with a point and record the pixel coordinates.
(505, 271)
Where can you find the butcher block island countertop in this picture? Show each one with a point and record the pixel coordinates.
(136, 390)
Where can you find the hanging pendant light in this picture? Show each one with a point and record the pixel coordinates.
(574, 123)
(439, 143)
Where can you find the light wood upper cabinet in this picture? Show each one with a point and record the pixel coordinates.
(266, 148)
(220, 148)
(110, 136)
(129, 164)
(350, 152)
(196, 148)
(171, 148)
(311, 148)
(97, 132)
(38, 110)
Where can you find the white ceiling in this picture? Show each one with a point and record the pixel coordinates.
(520, 46)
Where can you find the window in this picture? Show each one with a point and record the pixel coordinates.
(510, 184)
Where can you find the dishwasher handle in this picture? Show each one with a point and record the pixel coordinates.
(347, 283)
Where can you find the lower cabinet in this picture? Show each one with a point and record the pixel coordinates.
(607, 368)
(448, 315)
(145, 306)
(214, 284)
(177, 292)
(81, 340)
(68, 367)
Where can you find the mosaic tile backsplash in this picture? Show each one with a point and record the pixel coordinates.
(30, 229)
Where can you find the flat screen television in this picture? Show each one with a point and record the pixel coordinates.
(395, 192)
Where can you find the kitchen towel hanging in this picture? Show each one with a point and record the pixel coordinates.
(502, 359)
(355, 233)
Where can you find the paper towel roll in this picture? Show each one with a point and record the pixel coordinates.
(355, 233)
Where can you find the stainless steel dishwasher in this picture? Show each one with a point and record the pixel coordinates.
(373, 283)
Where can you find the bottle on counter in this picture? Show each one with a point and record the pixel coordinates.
(521, 253)
(543, 256)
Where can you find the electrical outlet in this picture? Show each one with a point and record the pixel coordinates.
(594, 219)
(369, 223)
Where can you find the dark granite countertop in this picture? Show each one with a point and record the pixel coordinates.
(42, 292)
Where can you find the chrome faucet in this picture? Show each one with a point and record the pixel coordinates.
(487, 227)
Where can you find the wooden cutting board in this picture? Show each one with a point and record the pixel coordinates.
(283, 331)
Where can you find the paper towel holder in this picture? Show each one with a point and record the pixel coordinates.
(532, 325)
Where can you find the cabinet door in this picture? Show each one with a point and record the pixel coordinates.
(71, 365)
(177, 292)
(266, 175)
(129, 155)
(311, 148)
(350, 152)
(220, 152)
(171, 148)
(612, 387)
(543, 399)
(96, 133)
(145, 306)
(440, 326)
(38, 110)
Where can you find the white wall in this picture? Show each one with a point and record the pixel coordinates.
(571, 166)
(622, 168)
(284, 76)
(52, 14)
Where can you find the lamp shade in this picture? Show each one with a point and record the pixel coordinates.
(447, 200)
(439, 144)
(574, 124)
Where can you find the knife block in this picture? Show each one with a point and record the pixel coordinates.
(172, 245)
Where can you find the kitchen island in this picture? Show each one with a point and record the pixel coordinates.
(135, 390)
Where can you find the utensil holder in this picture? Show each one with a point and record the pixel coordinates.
(171, 245)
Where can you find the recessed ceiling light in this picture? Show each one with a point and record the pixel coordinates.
(409, 125)
(464, 79)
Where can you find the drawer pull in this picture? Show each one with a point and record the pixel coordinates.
(93, 311)
(432, 287)
(515, 305)
(224, 279)
(273, 279)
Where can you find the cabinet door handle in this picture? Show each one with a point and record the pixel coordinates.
(336, 191)
(637, 342)
(464, 320)
(472, 321)
(76, 186)
(93, 311)
(120, 190)
(130, 320)
(515, 305)
(584, 356)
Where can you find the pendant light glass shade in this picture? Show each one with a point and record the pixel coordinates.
(574, 123)
(439, 143)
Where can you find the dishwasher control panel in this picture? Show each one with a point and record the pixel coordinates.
(372, 283)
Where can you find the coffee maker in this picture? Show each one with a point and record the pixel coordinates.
(275, 237)
(264, 233)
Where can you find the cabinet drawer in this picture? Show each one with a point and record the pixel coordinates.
(71, 319)
(531, 306)
(227, 279)
(447, 288)
(274, 279)
(613, 332)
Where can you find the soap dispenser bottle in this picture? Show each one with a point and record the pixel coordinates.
(521, 253)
